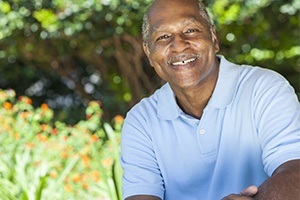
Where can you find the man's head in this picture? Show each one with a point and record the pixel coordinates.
(145, 26)
(180, 41)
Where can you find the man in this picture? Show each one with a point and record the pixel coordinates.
(215, 129)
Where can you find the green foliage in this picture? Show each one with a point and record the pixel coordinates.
(44, 160)
(263, 33)
(47, 19)
(82, 50)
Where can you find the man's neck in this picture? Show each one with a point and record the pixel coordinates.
(193, 100)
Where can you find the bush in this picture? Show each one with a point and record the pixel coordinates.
(42, 159)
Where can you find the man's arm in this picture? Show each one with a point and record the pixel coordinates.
(283, 184)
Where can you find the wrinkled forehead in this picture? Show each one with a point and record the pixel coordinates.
(183, 11)
(159, 6)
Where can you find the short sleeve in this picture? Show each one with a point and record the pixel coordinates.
(141, 171)
(277, 118)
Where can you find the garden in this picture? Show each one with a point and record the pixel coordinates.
(75, 68)
(41, 159)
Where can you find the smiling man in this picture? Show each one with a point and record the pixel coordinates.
(215, 129)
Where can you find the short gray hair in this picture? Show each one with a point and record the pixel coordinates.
(146, 26)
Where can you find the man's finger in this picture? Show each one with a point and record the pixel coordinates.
(249, 191)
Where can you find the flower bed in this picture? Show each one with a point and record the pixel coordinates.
(41, 159)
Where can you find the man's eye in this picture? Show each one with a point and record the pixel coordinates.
(191, 30)
(162, 37)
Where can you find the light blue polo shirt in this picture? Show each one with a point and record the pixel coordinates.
(250, 126)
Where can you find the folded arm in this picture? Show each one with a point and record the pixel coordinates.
(283, 184)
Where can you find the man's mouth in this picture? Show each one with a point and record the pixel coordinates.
(184, 62)
(183, 59)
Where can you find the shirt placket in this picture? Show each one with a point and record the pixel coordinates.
(206, 138)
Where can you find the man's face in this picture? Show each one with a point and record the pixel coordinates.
(182, 45)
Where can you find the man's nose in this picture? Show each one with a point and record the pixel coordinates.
(179, 43)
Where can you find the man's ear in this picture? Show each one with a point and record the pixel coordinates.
(215, 39)
(147, 52)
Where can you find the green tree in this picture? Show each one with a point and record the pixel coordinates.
(68, 52)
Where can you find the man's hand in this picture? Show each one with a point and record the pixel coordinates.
(283, 184)
(245, 194)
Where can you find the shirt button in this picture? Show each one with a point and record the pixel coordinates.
(202, 131)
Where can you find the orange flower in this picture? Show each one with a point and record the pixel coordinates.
(119, 119)
(53, 174)
(24, 115)
(7, 105)
(85, 160)
(76, 178)
(64, 154)
(95, 175)
(44, 106)
(68, 188)
(42, 137)
(43, 127)
(25, 99)
(91, 103)
(85, 186)
(94, 138)
(88, 116)
(54, 131)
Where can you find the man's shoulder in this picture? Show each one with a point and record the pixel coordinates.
(260, 79)
(257, 72)
(147, 104)
(251, 72)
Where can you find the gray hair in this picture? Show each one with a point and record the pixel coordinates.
(146, 26)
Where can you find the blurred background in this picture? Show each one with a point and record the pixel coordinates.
(68, 52)
(71, 69)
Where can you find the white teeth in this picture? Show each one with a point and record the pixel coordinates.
(184, 62)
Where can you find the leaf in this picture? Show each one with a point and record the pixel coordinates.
(5, 7)
(7, 190)
(41, 187)
(47, 18)
(56, 185)
(117, 169)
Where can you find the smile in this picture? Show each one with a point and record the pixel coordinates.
(184, 62)
(183, 59)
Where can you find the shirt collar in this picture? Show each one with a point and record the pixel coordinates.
(226, 84)
(167, 107)
(222, 96)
